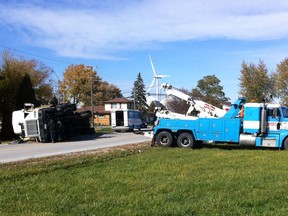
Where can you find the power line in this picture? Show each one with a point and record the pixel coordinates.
(62, 62)
(48, 59)
(33, 54)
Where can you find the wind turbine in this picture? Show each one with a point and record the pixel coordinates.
(156, 79)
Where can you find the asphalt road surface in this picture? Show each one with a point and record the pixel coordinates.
(29, 150)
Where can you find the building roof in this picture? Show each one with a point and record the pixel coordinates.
(101, 109)
(119, 100)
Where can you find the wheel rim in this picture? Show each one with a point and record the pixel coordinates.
(185, 141)
(164, 140)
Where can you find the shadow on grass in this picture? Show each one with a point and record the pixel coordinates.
(225, 146)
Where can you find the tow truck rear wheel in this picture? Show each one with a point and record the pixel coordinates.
(185, 140)
(285, 144)
(164, 139)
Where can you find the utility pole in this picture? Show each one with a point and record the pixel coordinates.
(58, 88)
(91, 91)
(134, 100)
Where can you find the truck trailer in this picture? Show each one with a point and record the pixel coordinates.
(251, 124)
(33, 122)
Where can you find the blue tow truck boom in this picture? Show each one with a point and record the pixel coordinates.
(251, 124)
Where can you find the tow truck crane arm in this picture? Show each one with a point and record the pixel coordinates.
(197, 107)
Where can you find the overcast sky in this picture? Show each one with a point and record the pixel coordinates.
(187, 39)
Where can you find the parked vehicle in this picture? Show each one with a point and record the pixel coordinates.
(126, 120)
(144, 125)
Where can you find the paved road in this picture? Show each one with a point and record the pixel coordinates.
(23, 151)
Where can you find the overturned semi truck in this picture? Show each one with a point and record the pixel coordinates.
(33, 122)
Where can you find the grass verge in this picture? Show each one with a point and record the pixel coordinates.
(139, 180)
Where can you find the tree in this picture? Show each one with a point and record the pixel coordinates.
(255, 82)
(138, 93)
(26, 93)
(21, 81)
(280, 78)
(105, 92)
(195, 93)
(152, 107)
(76, 86)
(209, 90)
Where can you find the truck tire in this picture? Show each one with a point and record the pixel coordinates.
(285, 144)
(164, 139)
(185, 140)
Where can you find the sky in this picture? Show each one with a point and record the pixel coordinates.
(186, 39)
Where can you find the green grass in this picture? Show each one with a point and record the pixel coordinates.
(150, 181)
(103, 129)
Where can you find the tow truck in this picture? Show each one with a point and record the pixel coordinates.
(251, 124)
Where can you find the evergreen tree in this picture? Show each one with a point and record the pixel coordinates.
(25, 93)
(152, 106)
(138, 93)
(54, 101)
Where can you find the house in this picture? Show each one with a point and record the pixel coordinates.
(101, 117)
(102, 114)
(118, 112)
